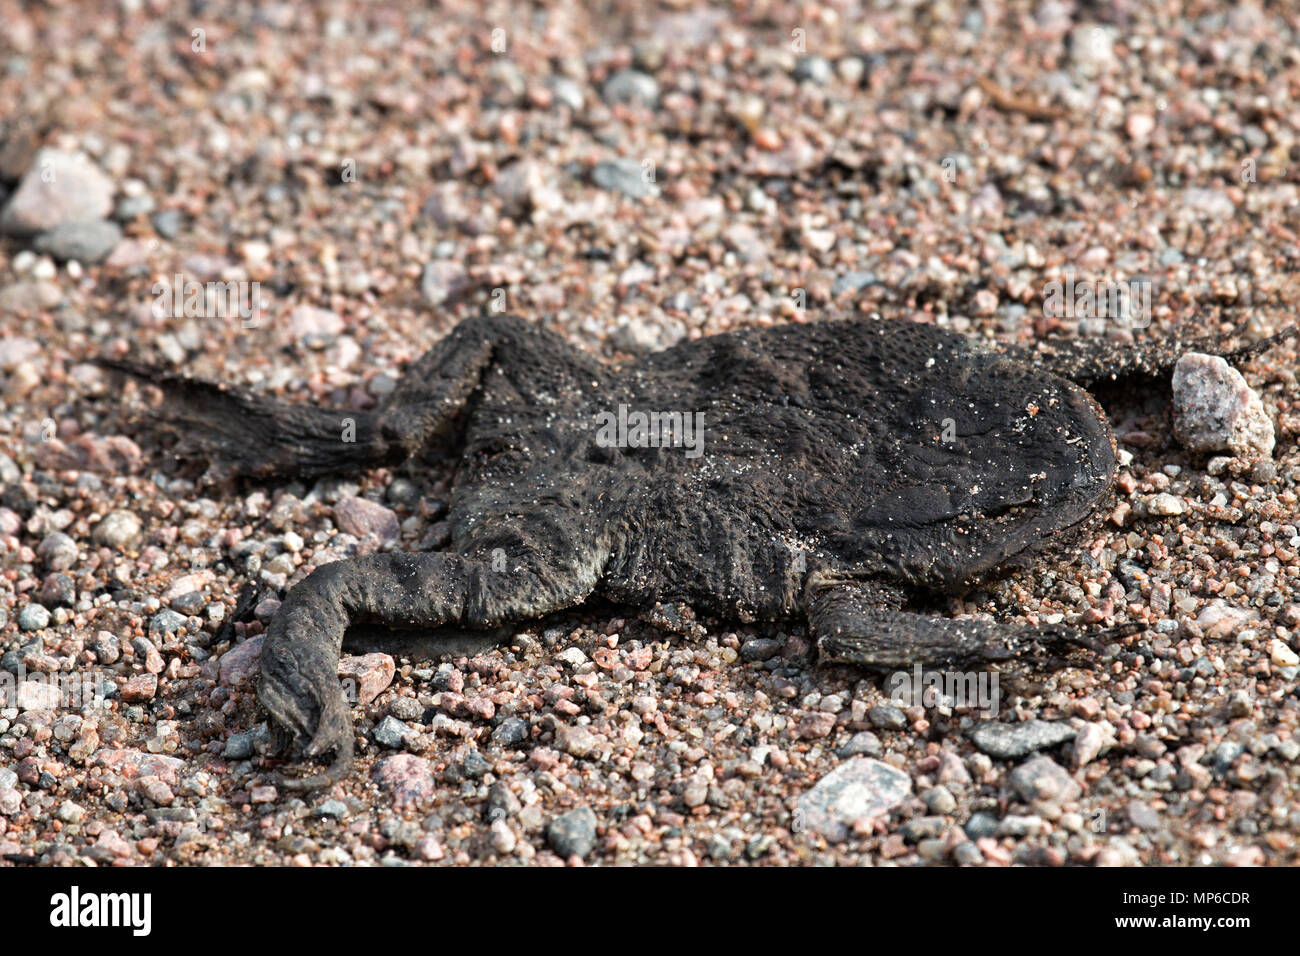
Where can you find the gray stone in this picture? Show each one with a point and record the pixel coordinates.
(58, 589)
(863, 743)
(626, 176)
(406, 708)
(33, 617)
(510, 732)
(58, 551)
(132, 207)
(1012, 741)
(939, 800)
(331, 810)
(573, 833)
(852, 282)
(88, 241)
(239, 746)
(631, 86)
(968, 854)
(722, 848)
(107, 647)
(192, 602)
(887, 717)
(501, 803)
(858, 789)
(475, 766)
(981, 825)
(403, 492)
(1226, 755)
(392, 732)
(401, 832)
(1042, 781)
(758, 846)
(167, 223)
(165, 623)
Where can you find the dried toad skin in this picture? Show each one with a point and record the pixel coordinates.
(878, 450)
(844, 465)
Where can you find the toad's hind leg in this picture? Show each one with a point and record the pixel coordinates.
(238, 432)
(852, 627)
(299, 684)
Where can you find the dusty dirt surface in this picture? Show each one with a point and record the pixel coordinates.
(628, 174)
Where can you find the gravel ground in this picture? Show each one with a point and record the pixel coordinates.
(629, 174)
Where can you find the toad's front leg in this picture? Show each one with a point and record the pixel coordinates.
(299, 684)
(862, 623)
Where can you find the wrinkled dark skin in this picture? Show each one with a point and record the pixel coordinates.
(826, 491)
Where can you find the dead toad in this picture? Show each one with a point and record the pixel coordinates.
(848, 471)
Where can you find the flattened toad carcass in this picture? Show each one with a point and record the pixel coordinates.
(841, 471)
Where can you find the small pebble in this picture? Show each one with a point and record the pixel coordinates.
(573, 833)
